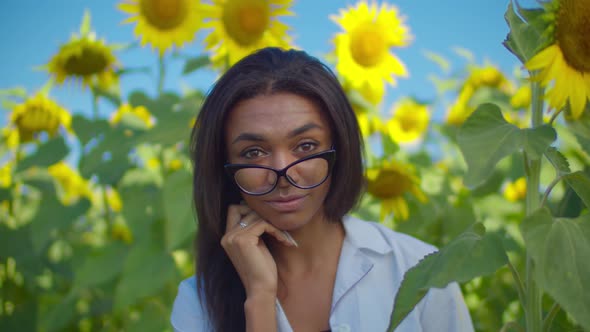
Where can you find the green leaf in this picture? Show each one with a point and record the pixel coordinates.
(112, 96)
(484, 139)
(177, 201)
(108, 160)
(195, 63)
(525, 38)
(536, 140)
(160, 107)
(85, 26)
(133, 70)
(170, 129)
(46, 155)
(558, 161)
(442, 62)
(17, 91)
(53, 216)
(581, 125)
(389, 145)
(584, 143)
(560, 249)
(147, 270)
(102, 265)
(154, 318)
(87, 129)
(570, 205)
(141, 208)
(470, 255)
(60, 314)
(580, 183)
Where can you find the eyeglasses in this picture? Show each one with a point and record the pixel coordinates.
(305, 173)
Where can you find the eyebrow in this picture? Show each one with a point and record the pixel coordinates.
(259, 138)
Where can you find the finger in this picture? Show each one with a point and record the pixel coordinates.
(261, 227)
(249, 218)
(234, 215)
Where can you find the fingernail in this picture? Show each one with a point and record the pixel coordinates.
(290, 238)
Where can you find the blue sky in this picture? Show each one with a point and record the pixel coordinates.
(32, 30)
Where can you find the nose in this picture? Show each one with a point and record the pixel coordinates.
(281, 161)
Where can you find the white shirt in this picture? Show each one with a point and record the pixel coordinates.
(371, 267)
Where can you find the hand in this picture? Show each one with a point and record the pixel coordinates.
(248, 252)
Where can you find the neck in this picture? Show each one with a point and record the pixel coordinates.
(319, 242)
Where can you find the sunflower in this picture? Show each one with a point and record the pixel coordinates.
(72, 184)
(163, 23)
(240, 27)
(390, 183)
(139, 115)
(515, 191)
(121, 231)
(84, 58)
(479, 77)
(363, 48)
(39, 114)
(486, 75)
(460, 110)
(114, 199)
(369, 123)
(409, 121)
(564, 66)
(521, 99)
(6, 175)
(10, 137)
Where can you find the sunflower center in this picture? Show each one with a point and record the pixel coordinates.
(164, 14)
(88, 60)
(389, 184)
(246, 20)
(367, 44)
(408, 122)
(573, 31)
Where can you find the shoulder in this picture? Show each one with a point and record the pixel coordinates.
(188, 312)
(367, 235)
(441, 309)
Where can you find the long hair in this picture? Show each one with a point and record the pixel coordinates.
(268, 71)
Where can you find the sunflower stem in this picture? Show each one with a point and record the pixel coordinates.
(161, 73)
(554, 116)
(533, 305)
(550, 316)
(107, 211)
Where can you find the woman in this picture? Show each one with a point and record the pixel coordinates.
(277, 167)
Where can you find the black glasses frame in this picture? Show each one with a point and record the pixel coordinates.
(328, 155)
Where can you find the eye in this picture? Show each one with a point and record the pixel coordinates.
(252, 153)
(307, 147)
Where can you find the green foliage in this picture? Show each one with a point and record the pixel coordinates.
(47, 154)
(527, 31)
(560, 249)
(104, 248)
(580, 183)
(486, 138)
(195, 63)
(177, 200)
(472, 254)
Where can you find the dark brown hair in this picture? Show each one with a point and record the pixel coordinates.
(268, 71)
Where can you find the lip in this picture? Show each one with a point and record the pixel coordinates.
(287, 203)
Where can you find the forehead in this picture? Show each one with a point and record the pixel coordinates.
(273, 116)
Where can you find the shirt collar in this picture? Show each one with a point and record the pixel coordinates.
(365, 235)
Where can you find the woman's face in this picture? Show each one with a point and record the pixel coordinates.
(277, 130)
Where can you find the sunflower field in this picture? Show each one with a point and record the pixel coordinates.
(96, 216)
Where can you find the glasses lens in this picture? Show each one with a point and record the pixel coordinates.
(309, 173)
(255, 180)
(305, 174)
